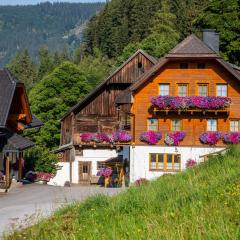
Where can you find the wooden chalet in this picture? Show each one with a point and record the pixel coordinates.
(15, 117)
(191, 70)
(97, 112)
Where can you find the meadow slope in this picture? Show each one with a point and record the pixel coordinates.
(201, 203)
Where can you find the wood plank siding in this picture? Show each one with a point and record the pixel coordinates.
(98, 111)
(192, 124)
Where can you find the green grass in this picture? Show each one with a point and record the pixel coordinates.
(202, 203)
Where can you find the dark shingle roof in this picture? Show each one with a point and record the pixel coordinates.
(36, 123)
(7, 89)
(192, 46)
(17, 142)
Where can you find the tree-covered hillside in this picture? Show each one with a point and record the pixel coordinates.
(52, 25)
(124, 25)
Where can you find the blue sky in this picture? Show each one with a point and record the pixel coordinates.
(24, 2)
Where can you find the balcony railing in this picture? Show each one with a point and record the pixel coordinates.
(118, 138)
(191, 104)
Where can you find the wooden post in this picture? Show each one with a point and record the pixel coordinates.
(20, 154)
(7, 171)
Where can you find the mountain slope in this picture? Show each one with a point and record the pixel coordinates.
(202, 203)
(40, 25)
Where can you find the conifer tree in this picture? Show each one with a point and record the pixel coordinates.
(23, 68)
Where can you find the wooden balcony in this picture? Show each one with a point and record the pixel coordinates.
(192, 111)
(77, 141)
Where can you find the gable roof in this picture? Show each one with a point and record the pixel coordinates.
(7, 88)
(190, 47)
(101, 85)
(17, 142)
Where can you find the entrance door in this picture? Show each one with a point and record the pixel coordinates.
(84, 171)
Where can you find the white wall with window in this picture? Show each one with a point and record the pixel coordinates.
(151, 162)
(212, 125)
(164, 89)
(221, 90)
(234, 125)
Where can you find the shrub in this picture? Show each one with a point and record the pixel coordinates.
(233, 137)
(174, 138)
(191, 163)
(210, 138)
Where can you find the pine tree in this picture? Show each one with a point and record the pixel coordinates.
(46, 63)
(23, 68)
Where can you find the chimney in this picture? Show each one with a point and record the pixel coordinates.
(211, 39)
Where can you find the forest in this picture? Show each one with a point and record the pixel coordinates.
(57, 80)
(52, 25)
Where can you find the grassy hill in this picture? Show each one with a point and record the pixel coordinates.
(53, 25)
(201, 203)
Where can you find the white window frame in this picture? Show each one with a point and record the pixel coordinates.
(164, 89)
(234, 125)
(221, 90)
(176, 125)
(183, 93)
(149, 125)
(212, 125)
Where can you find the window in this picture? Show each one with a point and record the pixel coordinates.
(152, 124)
(164, 89)
(221, 90)
(234, 125)
(184, 65)
(182, 90)
(100, 165)
(203, 90)
(211, 125)
(201, 65)
(164, 162)
(176, 125)
(140, 65)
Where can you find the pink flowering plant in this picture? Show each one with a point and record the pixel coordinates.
(210, 138)
(174, 138)
(107, 172)
(87, 137)
(231, 138)
(42, 176)
(191, 163)
(118, 136)
(122, 136)
(150, 137)
(185, 103)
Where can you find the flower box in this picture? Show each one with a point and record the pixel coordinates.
(150, 137)
(192, 102)
(231, 138)
(174, 138)
(120, 136)
(210, 138)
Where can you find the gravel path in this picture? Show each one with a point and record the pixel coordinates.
(25, 205)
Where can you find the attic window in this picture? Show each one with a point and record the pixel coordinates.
(140, 65)
(201, 65)
(184, 65)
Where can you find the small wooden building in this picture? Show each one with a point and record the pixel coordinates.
(15, 117)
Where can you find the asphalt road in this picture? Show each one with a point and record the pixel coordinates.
(27, 204)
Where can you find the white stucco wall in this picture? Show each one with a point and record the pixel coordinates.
(62, 176)
(96, 155)
(139, 158)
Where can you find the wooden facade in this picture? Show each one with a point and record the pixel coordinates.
(194, 122)
(98, 111)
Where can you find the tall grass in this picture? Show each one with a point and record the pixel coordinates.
(201, 203)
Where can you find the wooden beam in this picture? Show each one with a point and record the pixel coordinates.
(20, 166)
(7, 169)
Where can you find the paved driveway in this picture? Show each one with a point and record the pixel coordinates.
(34, 201)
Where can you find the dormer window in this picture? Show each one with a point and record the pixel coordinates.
(184, 65)
(201, 65)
